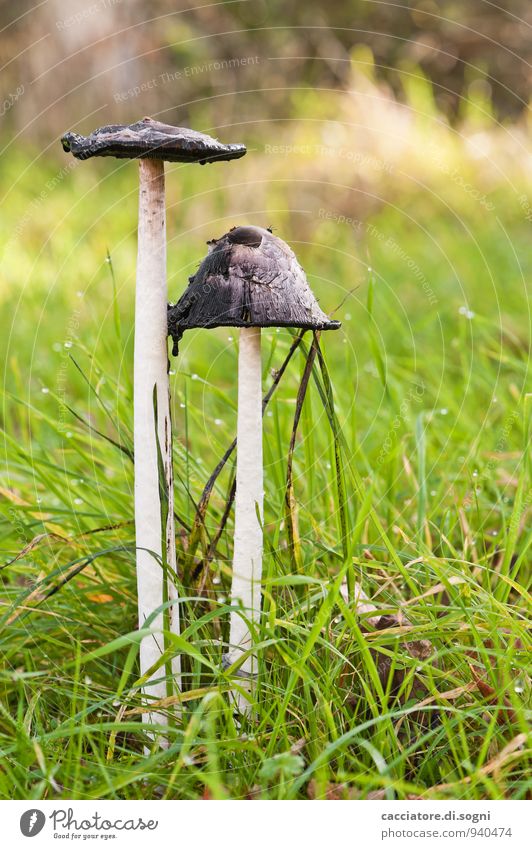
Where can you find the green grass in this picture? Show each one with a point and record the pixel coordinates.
(429, 439)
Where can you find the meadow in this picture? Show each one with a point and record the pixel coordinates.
(409, 473)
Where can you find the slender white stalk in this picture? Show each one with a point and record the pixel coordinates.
(247, 557)
(155, 544)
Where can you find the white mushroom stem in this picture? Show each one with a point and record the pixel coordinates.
(247, 557)
(154, 516)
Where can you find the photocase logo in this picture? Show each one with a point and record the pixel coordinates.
(32, 822)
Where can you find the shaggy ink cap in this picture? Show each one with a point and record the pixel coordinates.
(149, 139)
(152, 142)
(249, 278)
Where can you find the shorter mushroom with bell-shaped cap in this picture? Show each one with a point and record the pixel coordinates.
(249, 279)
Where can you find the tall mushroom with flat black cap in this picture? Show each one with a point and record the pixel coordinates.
(153, 143)
(249, 279)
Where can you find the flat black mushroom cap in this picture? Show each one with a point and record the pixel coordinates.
(249, 278)
(149, 139)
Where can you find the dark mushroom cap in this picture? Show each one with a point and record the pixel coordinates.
(149, 139)
(249, 278)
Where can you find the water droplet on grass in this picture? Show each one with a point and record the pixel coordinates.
(45, 390)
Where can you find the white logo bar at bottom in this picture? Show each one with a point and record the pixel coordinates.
(253, 824)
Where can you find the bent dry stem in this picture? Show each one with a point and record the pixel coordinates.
(154, 515)
(247, 556)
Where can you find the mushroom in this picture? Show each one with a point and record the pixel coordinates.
(152, 143)
(249, 279)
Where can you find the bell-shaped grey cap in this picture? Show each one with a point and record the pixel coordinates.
(249, 278)
(149, 139)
